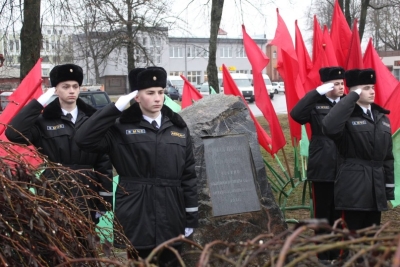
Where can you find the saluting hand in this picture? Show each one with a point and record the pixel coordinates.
(124, 100)
(46, 96)
(325, 88)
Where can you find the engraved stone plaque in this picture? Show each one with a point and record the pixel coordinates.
(230, 175)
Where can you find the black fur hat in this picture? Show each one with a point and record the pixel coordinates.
(152, 77)
(360, 77)
(66, 72)
(133, 81)
(331, 73)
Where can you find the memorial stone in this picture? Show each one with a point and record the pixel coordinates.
(235, 199)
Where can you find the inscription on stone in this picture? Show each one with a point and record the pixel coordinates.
(230, 175)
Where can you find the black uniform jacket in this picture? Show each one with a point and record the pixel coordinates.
(53, 134)
(365, 180)
(322, 156)
(157, 194)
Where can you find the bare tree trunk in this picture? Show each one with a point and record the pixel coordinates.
(130, 42)
(31, 36)
(363, 17)
(212, 70)
(347, 12)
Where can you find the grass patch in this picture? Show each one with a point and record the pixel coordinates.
(287, 158)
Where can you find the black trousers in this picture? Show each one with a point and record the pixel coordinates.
(324, 208)
(165, 259)
(356, 219)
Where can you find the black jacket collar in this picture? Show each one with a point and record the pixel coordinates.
(358, 111)
(134, 114)
(53, 110)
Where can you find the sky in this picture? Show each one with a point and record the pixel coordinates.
(260, 18)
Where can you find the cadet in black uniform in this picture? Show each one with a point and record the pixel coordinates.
(361, 131)
(151, 149)
(52, 129)
(322, 161)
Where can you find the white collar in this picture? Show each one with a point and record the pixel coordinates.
(365, 109)
(150, 120)
(336, 100)
(74, 113)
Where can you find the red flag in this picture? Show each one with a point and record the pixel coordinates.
(319, 59)
(259, 61)
(318, 47)
(392, 104)
(328, 47)
(230, 88)
(340, 35)
(385, 81)
(305, 64)
(30, 88)
(288, 68)
(354, 58)
(189, 94)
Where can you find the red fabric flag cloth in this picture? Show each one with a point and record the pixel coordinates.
(30, 88)
(230, 88)
(305, 64)
(288, 68)
(354, 58)
(385, 81)
(328, 47)
(259, 61)
(392, 104)
(319, 59)
(318, 44)
(340, 35)
(189, 93)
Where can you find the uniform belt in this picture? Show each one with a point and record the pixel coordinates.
(372, 163)
(151, 181)
(77, 166)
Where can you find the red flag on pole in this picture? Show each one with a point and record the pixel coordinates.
(259, 61)
(30, 88)
(318, 45)
(385, 81)
(340, 35)
(288, 68)
(305, 64)
(354, 58)
(189, 93)
(328, 47)
(230, 88)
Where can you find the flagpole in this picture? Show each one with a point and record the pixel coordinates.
(286, 161)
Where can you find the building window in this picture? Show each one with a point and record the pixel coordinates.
(241, 52)
(190, 51)
(11, 45)
(194, 77)
(17, 45)
(45, 72)
(225, 52)
(158, 41)
(242, 71)
(396, 73)
(274, 54)
(175, 51)
(144, 41)
(175, 73)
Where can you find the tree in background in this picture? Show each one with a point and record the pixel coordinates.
(373, 16)
(212, 69)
